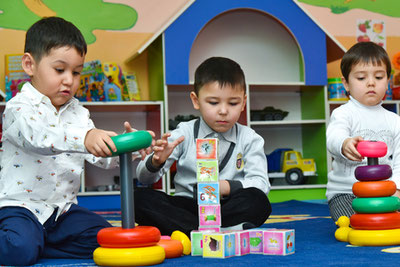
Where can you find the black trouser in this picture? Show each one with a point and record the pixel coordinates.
(170, 213)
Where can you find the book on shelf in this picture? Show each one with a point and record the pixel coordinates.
(15, 75)
(92, 81)
(133, 86)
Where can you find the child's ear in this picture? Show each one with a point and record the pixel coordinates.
(244, 101)
(346, 85)
(28, 63)
(195, 100)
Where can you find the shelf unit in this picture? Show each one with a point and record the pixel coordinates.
(280, 72)
(302, 130)
(143, 115)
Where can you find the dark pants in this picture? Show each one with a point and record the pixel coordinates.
(170, 213)
(23, 239)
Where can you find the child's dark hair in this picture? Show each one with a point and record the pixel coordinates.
(53, 32)
(221, 70)
(365, 52)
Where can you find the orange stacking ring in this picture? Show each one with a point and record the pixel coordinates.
(173, 248)
(374, 188)
(118, 237)
(377, 221)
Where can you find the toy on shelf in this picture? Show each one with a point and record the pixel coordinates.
(91, 82)
(289, 164)
(15, 76)
(115, 83)
(129, 245)
(336, 90)
(268, 114)
(376, 221)
(173, 123)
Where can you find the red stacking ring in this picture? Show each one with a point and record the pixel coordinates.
(173, 248)
(372, 149)
(117, 237)
(374, 189)
(375, 221)
(373, 172)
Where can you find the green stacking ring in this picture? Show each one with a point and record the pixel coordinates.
(376, 204)
(133, 141)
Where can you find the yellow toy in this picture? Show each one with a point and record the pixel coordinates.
(374, 237)
(129, 256)
(342, 233)
(187, 245)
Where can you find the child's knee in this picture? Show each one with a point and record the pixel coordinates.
(18, 251)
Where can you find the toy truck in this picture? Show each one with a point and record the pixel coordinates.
(289, 164)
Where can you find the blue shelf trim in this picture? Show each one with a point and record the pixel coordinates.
(181, 34)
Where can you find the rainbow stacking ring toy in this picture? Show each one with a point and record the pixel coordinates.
(129, 245)
(377, 221)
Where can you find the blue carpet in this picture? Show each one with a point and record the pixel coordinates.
(314, 237)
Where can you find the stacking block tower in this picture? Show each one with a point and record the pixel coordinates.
(377, 221)
(208, 195)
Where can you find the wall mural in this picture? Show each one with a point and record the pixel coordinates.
(87, 15)
(387, 7)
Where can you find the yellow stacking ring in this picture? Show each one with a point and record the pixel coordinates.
(129, 256)
(374, 237)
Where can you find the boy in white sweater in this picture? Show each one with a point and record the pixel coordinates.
(366, 70)
(220, 96)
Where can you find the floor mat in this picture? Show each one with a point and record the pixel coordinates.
(314, 241)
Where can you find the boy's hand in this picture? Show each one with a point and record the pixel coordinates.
(349, 148)
(224, 188)
(397, 194)
(162, 149)
(96, 142)
(145, 151)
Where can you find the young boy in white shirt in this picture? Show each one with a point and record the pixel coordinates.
(220, 96)
(366, 70)
(46, 139)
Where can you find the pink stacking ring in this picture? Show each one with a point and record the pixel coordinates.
(372, 149)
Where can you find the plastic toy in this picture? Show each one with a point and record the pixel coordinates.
(129, 256)
(380, 221)
(376, 204)
(373, 172)
(184, 239)
(376, 222)
(278, 242)
(142, 239)
(207, 183)
(342, 233)
(210, 215)
(374, 189)
(374, 237)
(289, 164)
(268, 114)
(118, 237)
(256, 241)
(173, 248)
(242, 246)
(218, 245)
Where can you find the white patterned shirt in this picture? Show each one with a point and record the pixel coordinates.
(43, 153)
